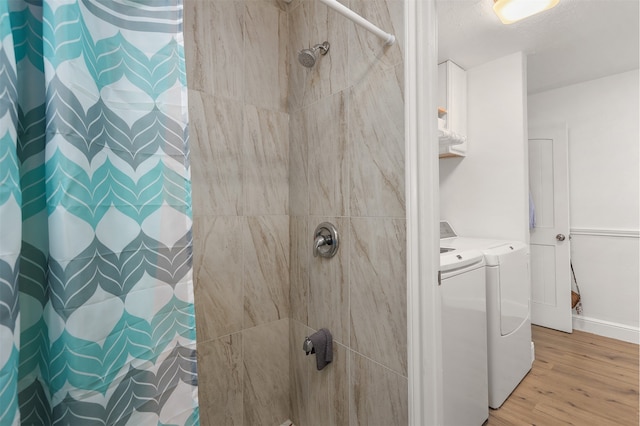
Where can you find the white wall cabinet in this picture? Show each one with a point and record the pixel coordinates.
(452, 97)
(486, 195)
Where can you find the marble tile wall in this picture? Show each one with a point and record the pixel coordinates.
(236, 52)
(277, 149)
(346, 162)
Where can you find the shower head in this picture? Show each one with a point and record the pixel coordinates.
(307, 57)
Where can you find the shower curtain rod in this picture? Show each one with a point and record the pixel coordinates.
(350, 14)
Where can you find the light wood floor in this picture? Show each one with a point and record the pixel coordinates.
(577, 379)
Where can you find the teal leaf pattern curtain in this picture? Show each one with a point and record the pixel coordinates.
(97, 323)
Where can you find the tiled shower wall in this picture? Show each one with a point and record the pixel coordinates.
(277, 149)
(236, 69)
(346, 157)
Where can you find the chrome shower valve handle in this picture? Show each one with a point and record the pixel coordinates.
(325, 243)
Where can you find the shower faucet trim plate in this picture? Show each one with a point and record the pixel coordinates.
(325, 240)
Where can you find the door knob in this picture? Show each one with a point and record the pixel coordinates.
(560, 237)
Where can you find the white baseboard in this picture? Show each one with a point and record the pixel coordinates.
(607, 329)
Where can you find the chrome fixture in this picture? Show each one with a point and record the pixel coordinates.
(307, 57)
(325, 240)
(307, 346)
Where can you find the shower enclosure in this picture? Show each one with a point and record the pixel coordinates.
(278, 148)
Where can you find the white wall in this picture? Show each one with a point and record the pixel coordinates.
(602, 117)
(484, 194)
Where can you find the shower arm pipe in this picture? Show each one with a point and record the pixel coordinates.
(350, 14)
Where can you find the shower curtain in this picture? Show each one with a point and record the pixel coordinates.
(97, 322)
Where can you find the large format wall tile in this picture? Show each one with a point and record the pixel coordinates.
(318, 397)
(218, 276)
(300, 237)
(312, 23)
(266, 160)
(266, 269)
(298, 39)
(283, 58)
(216, 154)
(376, 145)
(214, 42)
(299, 369)
(265, 71)
(379, 396)
(326, 137)
(347, 123)
(266, 374)
(220, 375)
(378, 291)
(329, 284)
(368, 52)
(298, 159)
(329, 75)
(328, 402)
(340, 155)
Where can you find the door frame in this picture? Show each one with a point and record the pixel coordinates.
(422, 213)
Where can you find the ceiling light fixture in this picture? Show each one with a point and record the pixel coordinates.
(510, 11)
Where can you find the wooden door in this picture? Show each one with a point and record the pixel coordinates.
(550, 250)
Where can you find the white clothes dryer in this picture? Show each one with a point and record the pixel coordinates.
(508, 287)
(464, 338)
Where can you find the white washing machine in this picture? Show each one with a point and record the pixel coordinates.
(509, 345)
(464, 338)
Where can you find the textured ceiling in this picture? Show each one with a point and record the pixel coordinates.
(576, 41)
